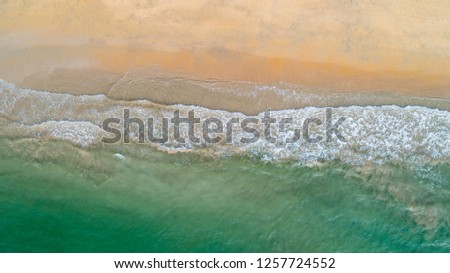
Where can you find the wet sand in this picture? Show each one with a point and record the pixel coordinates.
(120, 49)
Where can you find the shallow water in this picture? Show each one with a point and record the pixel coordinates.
(386, 189)
(92, 201)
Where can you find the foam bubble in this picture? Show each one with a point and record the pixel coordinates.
(119, 156)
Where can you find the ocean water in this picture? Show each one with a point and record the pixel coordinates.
(386, 189)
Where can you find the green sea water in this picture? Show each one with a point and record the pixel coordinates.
(56, 197)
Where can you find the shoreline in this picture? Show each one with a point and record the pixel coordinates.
(165, 81)
(112, 47)
(369, 133)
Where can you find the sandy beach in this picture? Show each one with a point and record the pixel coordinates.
(214, 127)
(118, 48)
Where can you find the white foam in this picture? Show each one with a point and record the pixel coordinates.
(78, 132)
(119, 156)
(376, 134)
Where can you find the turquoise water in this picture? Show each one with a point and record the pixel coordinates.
(56, 197)
(385, 189)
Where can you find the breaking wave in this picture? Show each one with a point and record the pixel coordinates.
(373, 134)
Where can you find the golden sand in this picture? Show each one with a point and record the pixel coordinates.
(85, 47)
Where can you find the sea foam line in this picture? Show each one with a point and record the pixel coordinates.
(376, 134)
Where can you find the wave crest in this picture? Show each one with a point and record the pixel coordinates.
(374, 134)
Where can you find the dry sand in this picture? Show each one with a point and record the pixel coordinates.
(87, 47)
